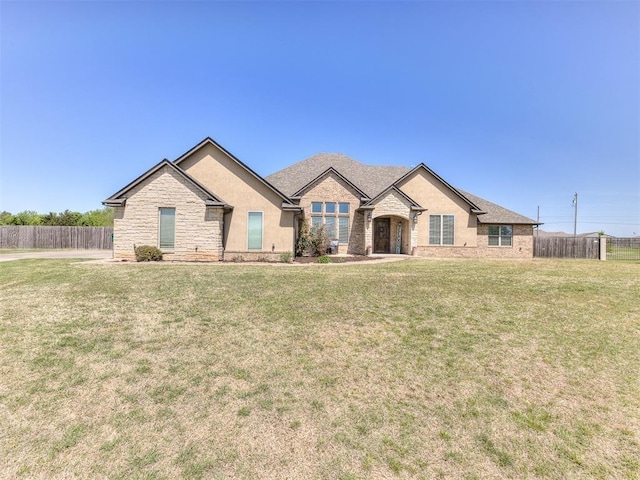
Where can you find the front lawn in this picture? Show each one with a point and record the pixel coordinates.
(416, 369)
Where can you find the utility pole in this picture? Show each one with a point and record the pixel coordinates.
(575, 218)
(538, 220)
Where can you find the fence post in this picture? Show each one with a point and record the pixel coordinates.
(603, 248)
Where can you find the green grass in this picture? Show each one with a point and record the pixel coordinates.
(416, 369)
(623, 253)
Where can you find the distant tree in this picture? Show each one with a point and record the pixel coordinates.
(92, 218)
(69, 218)
(98, 218)
(26, 217)
(62, 219)
(50, 219)
(6, 218)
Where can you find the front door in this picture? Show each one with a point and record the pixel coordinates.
(382, 235)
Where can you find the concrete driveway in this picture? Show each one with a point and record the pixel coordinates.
(92, 254)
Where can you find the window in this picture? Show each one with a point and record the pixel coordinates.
(167, 228)
(316, 222)
(330, 227)
(343, 229)
(335, 218)
(500, 235)
(254, 231)
(441, 229)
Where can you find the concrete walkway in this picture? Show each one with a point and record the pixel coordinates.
(92, 254)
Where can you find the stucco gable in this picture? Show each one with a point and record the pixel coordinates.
(119, 198)
(439, 181)
(209, 148)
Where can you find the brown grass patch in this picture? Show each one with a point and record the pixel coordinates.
(417, 369)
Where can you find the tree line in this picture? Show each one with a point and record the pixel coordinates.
(93, 218)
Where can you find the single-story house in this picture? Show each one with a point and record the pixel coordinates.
(207, 205)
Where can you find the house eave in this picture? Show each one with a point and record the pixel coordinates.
(114, 202)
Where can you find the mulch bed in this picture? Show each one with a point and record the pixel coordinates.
(355, 258)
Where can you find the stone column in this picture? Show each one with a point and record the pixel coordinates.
(368, 233)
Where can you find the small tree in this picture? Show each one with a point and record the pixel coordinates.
(302, 241)
(318, 241)
(27, 217)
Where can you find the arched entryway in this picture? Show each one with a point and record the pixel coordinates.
(391, 235)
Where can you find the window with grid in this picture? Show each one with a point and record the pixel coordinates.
(500, 235)
(335, 218)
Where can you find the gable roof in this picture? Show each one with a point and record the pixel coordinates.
(474, 208)
(327, 172)
(497, 214)
(119, 198)
(287, 204)
(369, 179)
(414, 205)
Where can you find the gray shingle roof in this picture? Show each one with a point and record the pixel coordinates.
(370, 179)
(496, 213)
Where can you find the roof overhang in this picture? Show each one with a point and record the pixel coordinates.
(115, 202)
(288, 207)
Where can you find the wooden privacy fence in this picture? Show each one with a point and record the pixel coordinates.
(26, 236)
(566, 247)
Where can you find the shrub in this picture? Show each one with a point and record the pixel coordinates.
(147, 253)
(324, 259)
(302, 241)
(286, 257)
(318, 242)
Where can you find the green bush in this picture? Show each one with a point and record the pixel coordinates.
(318, 241)
(302, 241)
(147, 253)
(324, 259)
(312, 241)
(286, 257)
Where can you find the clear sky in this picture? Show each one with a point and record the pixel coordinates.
(522, 103)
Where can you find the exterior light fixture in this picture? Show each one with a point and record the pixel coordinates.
(368, 216)
(415, 218)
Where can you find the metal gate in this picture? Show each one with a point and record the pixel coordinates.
(623, 249)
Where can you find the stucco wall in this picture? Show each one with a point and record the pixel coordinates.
(331, 188)
(438, 199)
(198, 229)
(232, 183)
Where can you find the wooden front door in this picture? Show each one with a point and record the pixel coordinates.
(382, 235)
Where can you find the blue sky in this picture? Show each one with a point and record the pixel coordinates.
(522, 103)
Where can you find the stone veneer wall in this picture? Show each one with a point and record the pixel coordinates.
(198, 234)
(332, 189)
(522, 246)
(399, 209)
